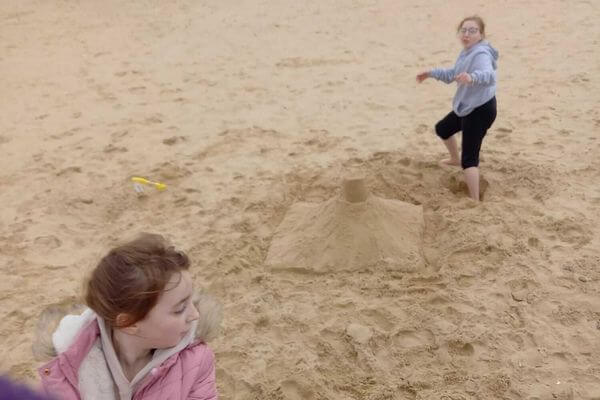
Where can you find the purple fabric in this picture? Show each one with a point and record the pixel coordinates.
(13, 391)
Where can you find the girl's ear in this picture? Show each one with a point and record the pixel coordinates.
(122, 320)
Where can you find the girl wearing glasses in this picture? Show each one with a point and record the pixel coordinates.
(474, 104)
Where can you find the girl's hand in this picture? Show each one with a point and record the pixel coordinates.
(422, 76)
(463, 78)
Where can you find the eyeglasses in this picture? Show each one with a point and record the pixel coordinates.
(470, 31)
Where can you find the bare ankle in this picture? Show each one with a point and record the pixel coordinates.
(451, 162)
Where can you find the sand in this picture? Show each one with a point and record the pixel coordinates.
(246, 108)
(346, 234)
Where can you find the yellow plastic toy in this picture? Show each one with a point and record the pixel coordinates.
(138, 182)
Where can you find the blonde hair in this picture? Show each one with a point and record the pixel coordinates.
(477, 19)
(42, 346)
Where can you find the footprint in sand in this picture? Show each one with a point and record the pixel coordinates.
(421, 129)
(567, 230)
(521, 288)
(174, 140)
(413, 339)
(460, 348)
(69, 170)
(119, 134)
(454, 181)
(235, 384)
(111, 148)
(293, 390)
(299, 62)
(170, 171)
(13, 322)
(67, 133)
(534, 242)
(382, 319)
(137, 89)
(565, 132)
(503, 133)
(465, 281)
(50, 242)
(155, 119)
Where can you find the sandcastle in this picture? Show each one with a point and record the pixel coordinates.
(353, 231)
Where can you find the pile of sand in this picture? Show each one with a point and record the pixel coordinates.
(342, 235)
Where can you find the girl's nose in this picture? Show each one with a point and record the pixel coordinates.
(193, 315)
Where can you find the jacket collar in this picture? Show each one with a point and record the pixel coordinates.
(76, 335)
(125, 387)
(70, 360)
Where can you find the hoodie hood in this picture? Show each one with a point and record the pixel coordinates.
(484, 47)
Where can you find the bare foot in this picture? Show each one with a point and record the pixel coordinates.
(449, 162)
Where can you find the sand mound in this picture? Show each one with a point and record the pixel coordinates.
(341, 235)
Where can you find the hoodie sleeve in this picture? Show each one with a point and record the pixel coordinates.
(482, 70)
(444, 75)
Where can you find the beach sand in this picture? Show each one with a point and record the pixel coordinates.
(245, 108)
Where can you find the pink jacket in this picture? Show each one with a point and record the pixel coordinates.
(189, 374)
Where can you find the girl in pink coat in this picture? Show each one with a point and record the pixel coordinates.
(143, 335)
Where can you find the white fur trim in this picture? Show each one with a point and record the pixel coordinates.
(95, 381)
(68, 328)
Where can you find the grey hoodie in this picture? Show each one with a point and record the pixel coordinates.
(480, 62)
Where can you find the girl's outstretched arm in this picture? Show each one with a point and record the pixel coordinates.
(483, 71)
(442, 74)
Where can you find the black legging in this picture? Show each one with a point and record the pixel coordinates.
(474, 126)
